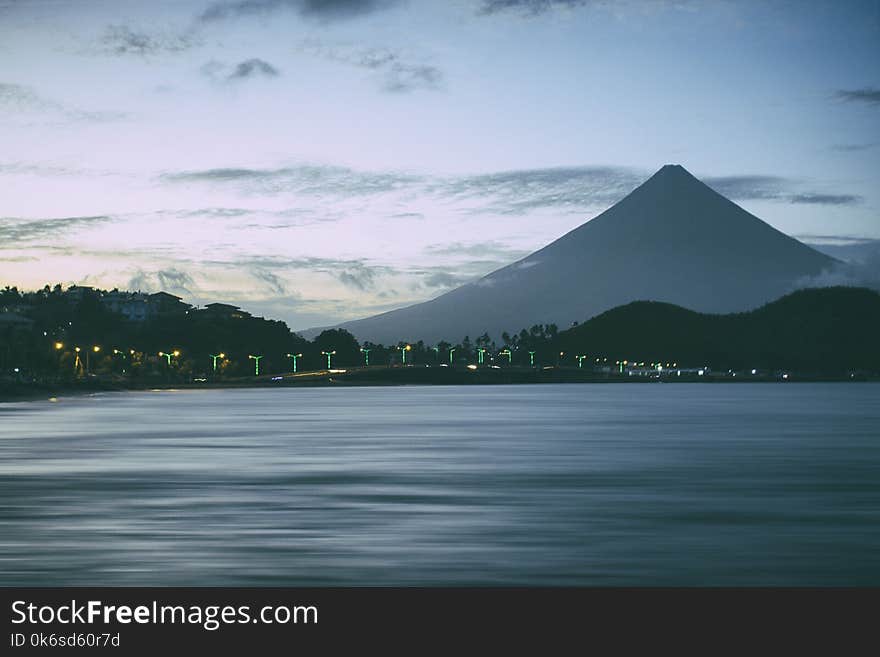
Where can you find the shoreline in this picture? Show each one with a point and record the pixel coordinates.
(11, 393)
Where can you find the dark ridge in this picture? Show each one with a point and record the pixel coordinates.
(829, 330)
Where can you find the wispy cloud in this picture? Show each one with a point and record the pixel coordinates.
(395, 71)
(23, 230)
(868, 95)
(301, 179)
(272, 281)
(169, 279)
(322, 10)
(851, 148)
(528, 7)
(521, 191)
(123, 40)
(253, 68)
(774, 188)
(22, 100)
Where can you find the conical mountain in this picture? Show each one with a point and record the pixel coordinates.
(672, 239)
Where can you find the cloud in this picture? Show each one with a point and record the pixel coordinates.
(774, 188)
(274, 283)
(487, 248)
(122, 40)
(850, 148)
(322, 10)
(167, 280)
(19, 99)
(524, 190)
(867, 95)
(825, 199)
(312, 180)
(22, 230)
(358, 276)
(253, 68)
(527, 7)
(248, 69)
(408, 77)
(396, 73)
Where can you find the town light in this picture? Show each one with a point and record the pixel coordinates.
(506, 352)
(294, 357)
(403, 351)
(581, 360)
(481, 354)
(366, 353)
(328, 354)
(168, 355)
(215, 357)
(59, 346)
(256, 360)
(451, 351)
(531, 359)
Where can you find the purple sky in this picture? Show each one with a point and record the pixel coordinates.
(318, 161)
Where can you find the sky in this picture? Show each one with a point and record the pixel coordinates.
(322, 160)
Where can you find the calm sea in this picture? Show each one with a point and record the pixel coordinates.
(628, 484)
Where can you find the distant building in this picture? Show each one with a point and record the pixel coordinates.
(162, 304)
(224, 311)
(133, 306)
(76, 293)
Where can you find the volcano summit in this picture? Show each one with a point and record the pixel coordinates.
(672, 239)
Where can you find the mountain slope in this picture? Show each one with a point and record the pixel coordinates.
(672, 239)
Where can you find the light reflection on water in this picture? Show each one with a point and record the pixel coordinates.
(572, 484)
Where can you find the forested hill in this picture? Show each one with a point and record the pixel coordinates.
(827, 330)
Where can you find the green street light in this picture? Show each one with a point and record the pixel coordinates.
(256, 360)
(215, 358)
(506, 352)
(436, 353)
(168, 355)
(294, 357)
(481, 354)
(328, 354)
(451, 351)
(366, 353)
(403, 351)
(531, 359)
(581, 360)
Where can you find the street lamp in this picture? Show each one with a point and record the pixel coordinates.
(559, 360)
(294, 357)
(116, 352)
(436, 353)
(451, 351)
(328, 354)
(480, 355)
(531, 359)
(506, 352)
(366, 353)
(581, 360)
(168, 355)
(256, 360)
(96, 349)
(59, 346)
(215, 357)
(77, 363)
(403, 351)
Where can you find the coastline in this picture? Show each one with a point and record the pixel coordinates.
(393, 377)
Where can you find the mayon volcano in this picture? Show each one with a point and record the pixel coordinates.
(672, 239)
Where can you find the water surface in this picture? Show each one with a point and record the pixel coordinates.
(625, 484)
